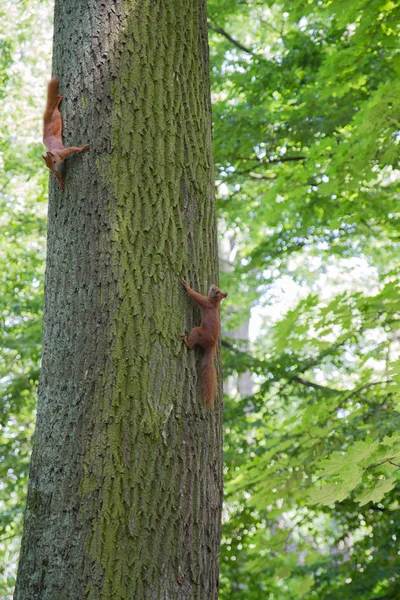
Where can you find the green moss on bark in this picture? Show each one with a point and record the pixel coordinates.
(145, 488)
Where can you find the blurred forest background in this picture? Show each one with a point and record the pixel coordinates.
(306, 144)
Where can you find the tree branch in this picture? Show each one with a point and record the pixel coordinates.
(315, 385)
(357, 391)
(271, 161)
(262, 163)
(233, 41)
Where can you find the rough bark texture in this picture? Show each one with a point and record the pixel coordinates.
(125, 487)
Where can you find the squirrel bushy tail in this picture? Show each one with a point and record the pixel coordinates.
(208, 377)
(52, 96)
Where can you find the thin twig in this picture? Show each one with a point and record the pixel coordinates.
(357, 391)
(233, 41)
(262, 163)
(315, 385)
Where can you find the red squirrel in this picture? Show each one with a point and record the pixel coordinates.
(52, 130)
(206, 336)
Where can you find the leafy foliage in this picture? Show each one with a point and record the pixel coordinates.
(306, 131)
(22, 231)
(306, 134)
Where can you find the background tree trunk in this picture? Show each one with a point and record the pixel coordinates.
(125, 487)
(242, 383)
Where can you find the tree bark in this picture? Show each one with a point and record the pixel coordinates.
(125, 487)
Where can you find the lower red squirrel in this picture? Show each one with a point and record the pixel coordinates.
(52, 130)
(206, 336)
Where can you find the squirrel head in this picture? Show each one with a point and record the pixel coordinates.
(215, 292)
(52, 161)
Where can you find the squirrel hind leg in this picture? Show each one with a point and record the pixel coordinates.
(197, 337)
(184, 339)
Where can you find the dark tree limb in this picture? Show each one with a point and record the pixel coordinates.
(233, 40)
(262, 163)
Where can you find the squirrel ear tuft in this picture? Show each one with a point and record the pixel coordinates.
(44, 158)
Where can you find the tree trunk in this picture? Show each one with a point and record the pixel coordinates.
(125, 486)
(243, 383)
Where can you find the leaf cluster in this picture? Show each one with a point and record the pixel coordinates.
(306, 149)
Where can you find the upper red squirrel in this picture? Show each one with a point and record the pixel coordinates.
(52, 130)
(206, 336)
